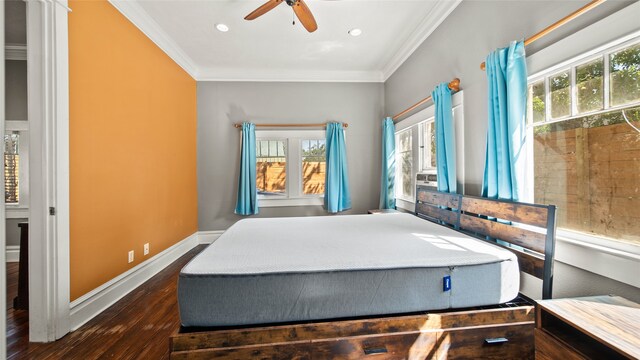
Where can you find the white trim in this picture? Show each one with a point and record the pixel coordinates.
(48, 109)
(3, 233)
(96, 301)
(305, 201)
(13, 253)
(208, 237)
(16, 212)
(255, 75)
(15, 52)
(16, 125)
(440, 11)
(615, 264)
(145, 23)
(406, 205)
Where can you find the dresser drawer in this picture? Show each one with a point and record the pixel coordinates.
(495, 342)
(414, 345)
(547, 347)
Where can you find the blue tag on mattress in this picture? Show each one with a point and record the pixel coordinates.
(446, 283)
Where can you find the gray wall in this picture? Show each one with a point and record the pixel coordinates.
(220, 104)
(456, 49)
(15, 20)
(462, 42)
(16, 89)
(13, 231)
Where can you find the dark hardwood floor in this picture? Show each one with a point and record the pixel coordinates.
(12, 283)
(136, 327)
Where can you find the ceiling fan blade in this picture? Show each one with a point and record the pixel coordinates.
(305, 16)
(263, 9)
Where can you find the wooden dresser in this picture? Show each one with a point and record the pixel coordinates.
(599, 327)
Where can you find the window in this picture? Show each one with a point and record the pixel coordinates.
(11, 168)
(404, 165)
(16, 168)
(428, 145)
(586, 155)
(416, 150)
(313, 166)
(271, 167)
(290, 167)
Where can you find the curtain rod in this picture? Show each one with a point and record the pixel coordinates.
(557, 24)
(239, 126)
(454, 85)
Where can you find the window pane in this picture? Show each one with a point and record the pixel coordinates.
(404, 162)
(625, 76)
(590, 168)
(590, 85)
(560, 88)
(11, 168)
(313, 167)
(271, 167)
(536, 111)
(429, 149)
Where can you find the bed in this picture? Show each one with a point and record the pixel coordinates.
(353, 286)
(312, 268)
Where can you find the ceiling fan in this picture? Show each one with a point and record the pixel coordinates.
(299, 8)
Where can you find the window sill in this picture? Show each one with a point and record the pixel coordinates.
(616, 262)
(306, 201)
(406, 205)
(16, 212)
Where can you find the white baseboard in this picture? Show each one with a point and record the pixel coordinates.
(94, 302)
(208, 237)
(13, 253)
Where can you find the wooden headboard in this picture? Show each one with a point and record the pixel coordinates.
(530, 227)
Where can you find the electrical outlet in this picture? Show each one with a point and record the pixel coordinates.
(146, 249)
(131, 256)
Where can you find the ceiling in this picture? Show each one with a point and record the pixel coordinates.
(270, 48)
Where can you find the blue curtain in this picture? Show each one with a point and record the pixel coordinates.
(247, 203)
(505, 156)
(336, 194)
(387, 183)
(445, 139)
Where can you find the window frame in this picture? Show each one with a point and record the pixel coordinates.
(422, 118)
(414, 164)
(600, 243)
(21, 209)
(294, 195)
(572, 65)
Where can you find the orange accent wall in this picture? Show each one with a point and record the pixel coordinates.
(132, 143)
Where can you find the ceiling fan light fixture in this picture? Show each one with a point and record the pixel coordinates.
(222, 27)
(355, 32)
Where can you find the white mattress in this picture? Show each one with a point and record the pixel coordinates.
(377, 263)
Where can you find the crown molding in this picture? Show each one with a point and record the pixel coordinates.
(141, 19)
(436, 16)
(15, 52)
(274, 75)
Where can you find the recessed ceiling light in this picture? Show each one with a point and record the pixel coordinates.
(222, 27)
(355, 32)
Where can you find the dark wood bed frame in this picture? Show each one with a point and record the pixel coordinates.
(503, 331)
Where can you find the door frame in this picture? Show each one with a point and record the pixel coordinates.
(3, 242)
(48, 113)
